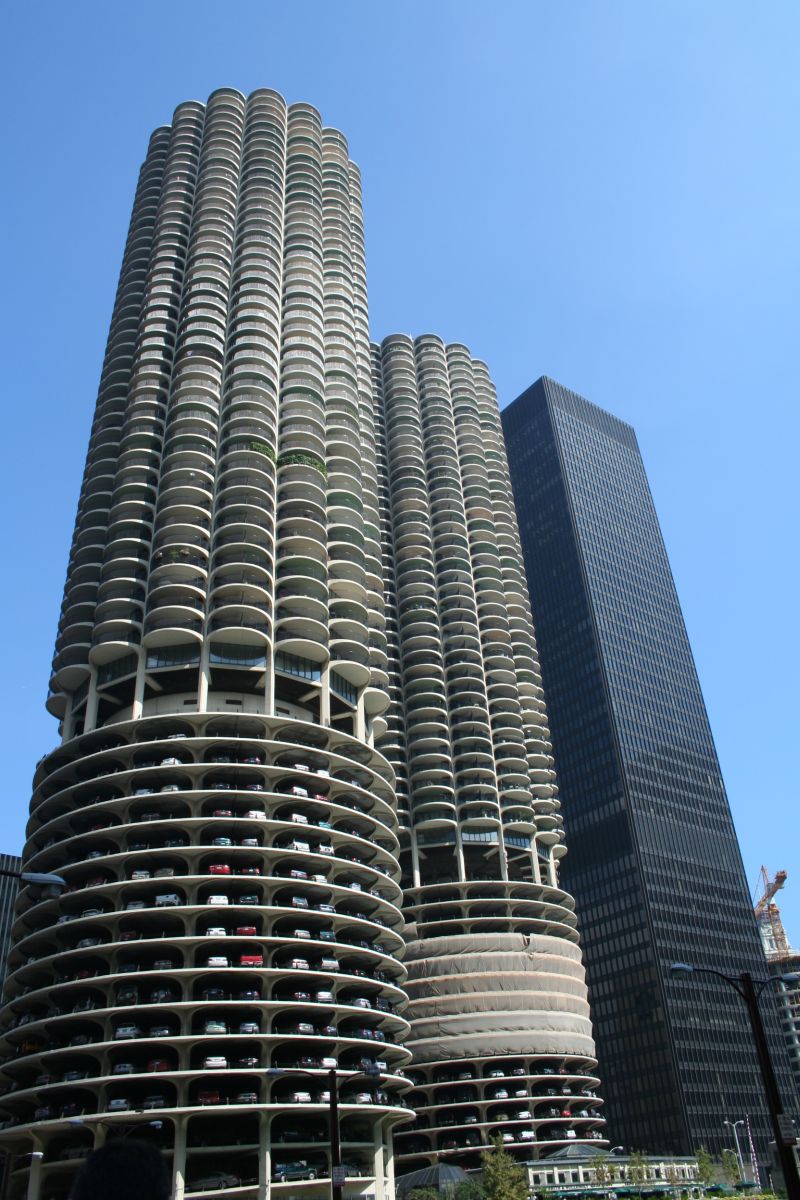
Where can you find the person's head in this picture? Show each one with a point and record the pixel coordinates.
(123, 1170)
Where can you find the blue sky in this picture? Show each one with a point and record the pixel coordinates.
(604, 192)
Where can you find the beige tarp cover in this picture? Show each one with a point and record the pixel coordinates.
(499, 993)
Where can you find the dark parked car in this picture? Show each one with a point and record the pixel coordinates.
(283, 1172)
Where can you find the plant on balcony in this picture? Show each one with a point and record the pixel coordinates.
(296, 458)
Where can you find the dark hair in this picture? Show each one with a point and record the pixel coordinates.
(123, 1170)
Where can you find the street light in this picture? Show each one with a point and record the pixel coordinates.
(750, 990)
(337, 1175)
(127, 1126)
(39, 878)
(733, 1125)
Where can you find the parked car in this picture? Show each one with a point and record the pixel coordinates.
(285, 1172)
(217, 1180)
(127, 1031)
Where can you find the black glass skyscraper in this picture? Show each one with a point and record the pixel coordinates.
(654, 861)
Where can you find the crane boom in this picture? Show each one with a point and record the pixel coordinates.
(770, 887)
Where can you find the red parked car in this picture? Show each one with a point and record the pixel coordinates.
(219, 869)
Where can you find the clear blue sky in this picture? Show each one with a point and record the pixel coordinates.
(604, 192)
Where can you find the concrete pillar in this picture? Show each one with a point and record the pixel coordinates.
(138, 688)
(68, 723)
(502, 856)
(537, 874)
(462, 869)
(325, 694)
(269, 683)
(264, 1156)
(204, 678)
(378, 1167)
(179, 1160)
(361, 724)
(90, 719)
(415, 861)
(35, 1172)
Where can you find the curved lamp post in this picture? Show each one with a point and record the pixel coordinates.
(732, 1125)
(750, 990)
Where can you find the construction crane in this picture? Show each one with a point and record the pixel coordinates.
(768, 914)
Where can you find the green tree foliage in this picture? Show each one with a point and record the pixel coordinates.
(423, 1193)
(705, 1165)
(730, 1167)
(637, 1169)
(601, 1171)
(503, 1177)
(469, 1189)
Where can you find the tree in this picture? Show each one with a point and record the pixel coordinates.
(503, 1177)
(705, 1166)
(601, 1171)
(730, 1167)
(423, 1193)
(672, 1176)
(637, 1169)
(469, 1189)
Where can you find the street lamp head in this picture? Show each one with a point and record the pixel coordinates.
(43, 879)
(680, 968)
(790, 977)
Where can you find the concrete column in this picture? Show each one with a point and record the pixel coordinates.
(179, 1160)
(90, 720)
(264, 1156)
(389, 1164)
(501, 853)
(415, 861)
(204, 677)
(462, 869)
(269, 683)
(138, 688)
(68, 723)
(325, 694)
(35, 1172)
(378, 1167)
(361, 724)
(537, 874)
